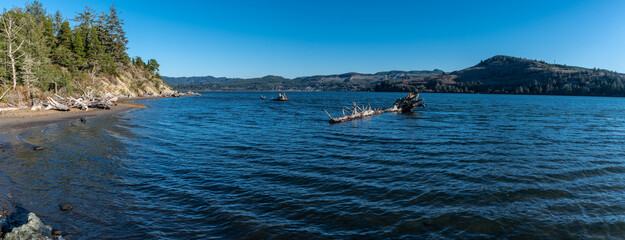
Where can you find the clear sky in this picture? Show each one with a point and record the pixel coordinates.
(300, 38)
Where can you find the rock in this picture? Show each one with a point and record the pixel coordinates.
(65, 207)
(193, 93)
(56, 234)
(33, 229)
(167, 93)
(82, 119)
(38, 148)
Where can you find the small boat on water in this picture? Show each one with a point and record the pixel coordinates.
(263, 98)
(281, 97)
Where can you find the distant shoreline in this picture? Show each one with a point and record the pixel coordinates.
(427, 92)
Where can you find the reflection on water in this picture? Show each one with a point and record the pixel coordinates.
(229, 165)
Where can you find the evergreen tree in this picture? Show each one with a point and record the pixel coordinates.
(94, 51)
(62, 54)
(78, 48)
(57, 22)
(36, 10)
(153, 65)
(138, 62)
(85, 19)
(114, 27)
(64, 36)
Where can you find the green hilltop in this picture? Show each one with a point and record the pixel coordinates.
(512, 75)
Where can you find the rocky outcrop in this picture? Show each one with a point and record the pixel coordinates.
(33, 229)
(173, 93)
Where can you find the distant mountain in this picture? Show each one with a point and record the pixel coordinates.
(504, 74)
(499, 74)
(339, 82)
(196, 80)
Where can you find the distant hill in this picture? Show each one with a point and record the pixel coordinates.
(339, 82)
(504, 74)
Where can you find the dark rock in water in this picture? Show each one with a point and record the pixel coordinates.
(38, 148)
(66, 207)
(82, 119)
(33, 229)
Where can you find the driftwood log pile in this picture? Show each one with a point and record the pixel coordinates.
(402, 105)
(87, 101)
(83, 103)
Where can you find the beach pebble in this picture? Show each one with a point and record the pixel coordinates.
(38, 148)
(65, 207)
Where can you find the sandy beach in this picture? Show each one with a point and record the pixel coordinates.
(20, 119)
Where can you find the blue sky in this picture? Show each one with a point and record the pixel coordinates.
(302, 38)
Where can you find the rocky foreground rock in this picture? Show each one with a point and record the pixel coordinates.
(33, 229)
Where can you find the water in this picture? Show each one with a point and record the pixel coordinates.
(231, 166)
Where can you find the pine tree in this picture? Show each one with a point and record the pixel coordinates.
(78, 48)
(57, 22)
(114, 27)
(94, 51)
(64, 36)
(62, 54)
(48, 32)
(138, 62)
(85, 19)
(36, 10)
(153, 65)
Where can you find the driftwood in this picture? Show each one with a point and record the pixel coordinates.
(82, 103)
(281, 97)
(402, 105)
(53, 104)
(36, 105)
(4, 94)
(407, 104)
(89, 101)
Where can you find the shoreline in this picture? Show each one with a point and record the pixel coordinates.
(23, 119)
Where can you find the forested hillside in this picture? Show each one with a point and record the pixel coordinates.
(337, 82)
(45, 54)
(504, 74)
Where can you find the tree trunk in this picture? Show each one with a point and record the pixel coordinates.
(10, 32)
(10, 40)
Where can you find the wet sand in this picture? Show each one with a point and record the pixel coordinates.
(21, 119)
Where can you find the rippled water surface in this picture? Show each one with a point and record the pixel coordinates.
(231, 166)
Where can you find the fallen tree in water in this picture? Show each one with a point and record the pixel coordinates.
(402, 105)
(281, 97)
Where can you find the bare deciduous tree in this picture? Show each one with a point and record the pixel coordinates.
(10, 30)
